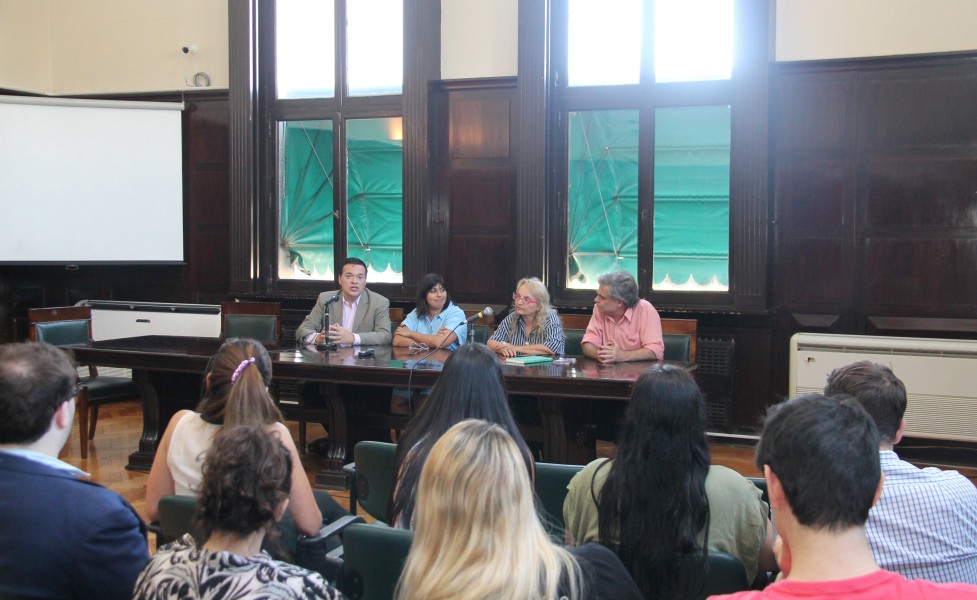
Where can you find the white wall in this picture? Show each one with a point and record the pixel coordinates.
(124, 46)
(821, 29)
(479, 38)
(25, 49)
(111, 46)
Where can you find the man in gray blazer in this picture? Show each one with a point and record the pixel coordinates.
(357, 316)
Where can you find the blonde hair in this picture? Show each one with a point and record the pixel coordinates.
(542, 296)
(477, 534)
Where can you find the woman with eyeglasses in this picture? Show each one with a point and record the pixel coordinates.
(436, 321)
(533, 327)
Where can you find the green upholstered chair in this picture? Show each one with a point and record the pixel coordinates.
(261, 321)
(72, 326)
(551, 490)
(573, 344)
(176, 517)
(373, 558)
(678, 346)
(725, 574)
(372, 476)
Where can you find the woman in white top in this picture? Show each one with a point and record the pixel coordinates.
(235, 393)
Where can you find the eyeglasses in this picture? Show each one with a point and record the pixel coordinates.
(523, 299)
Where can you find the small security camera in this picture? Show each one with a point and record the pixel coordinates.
(186, 49)
(189, 49)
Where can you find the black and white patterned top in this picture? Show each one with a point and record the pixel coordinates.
(510, 330)
(184, 570)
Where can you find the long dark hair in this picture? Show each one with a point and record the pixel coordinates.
(236, 386)
(470, 387)
(425, 285)
(654, 500)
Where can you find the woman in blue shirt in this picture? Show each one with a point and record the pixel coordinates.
(436, 321)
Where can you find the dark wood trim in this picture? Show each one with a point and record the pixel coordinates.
(532, 112)
(244, 123)
(422, 34)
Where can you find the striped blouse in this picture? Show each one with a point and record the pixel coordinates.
(511, 330)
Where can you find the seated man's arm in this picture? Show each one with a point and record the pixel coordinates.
(589, 350)
(312, 322)
(380, 334)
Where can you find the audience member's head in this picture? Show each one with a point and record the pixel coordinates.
(878, 390)
(825, 454)
(236, 386)
(477, 532)
(36, 379)
(470, 387)
(654, 500)
(247, 476)
(621, 286)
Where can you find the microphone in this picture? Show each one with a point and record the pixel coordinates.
(327, 345)
(485, 312)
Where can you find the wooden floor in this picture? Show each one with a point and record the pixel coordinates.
(120, 426)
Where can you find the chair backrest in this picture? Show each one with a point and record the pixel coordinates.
(551, 490)
(678, 346)
(257, 320)
(684, 327)
(61, 326)
(574, 342)
(176, 518)
(374, 476)
(373, 558)
(725, 574)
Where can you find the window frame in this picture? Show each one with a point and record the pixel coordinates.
(253, 119)
(747, 95)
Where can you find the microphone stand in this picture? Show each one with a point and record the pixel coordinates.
(327, 346)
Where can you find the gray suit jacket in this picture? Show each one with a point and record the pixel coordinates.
(371, 323)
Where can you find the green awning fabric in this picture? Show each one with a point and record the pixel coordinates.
(602, 227)
(691, 209)
(374, 200)
(306, 197)
(375, 204)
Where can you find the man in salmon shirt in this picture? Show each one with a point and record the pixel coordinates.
(623, 327)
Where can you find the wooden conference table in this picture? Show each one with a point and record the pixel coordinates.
(169, 371)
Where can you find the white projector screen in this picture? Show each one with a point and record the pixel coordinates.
(90, 181)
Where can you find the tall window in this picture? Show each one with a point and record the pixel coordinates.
(644, 107)
(338, 108)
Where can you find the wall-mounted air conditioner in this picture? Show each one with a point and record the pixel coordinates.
(940, 376)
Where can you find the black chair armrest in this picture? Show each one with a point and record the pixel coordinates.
(350, 471)
(311, 552)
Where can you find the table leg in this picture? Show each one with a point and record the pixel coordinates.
(163, 393)
(332, 475)
(568, 433)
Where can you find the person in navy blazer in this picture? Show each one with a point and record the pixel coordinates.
(61, 536)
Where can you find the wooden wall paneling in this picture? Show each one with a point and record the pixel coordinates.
(917, 191)
(475, 215)
(208, 200)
